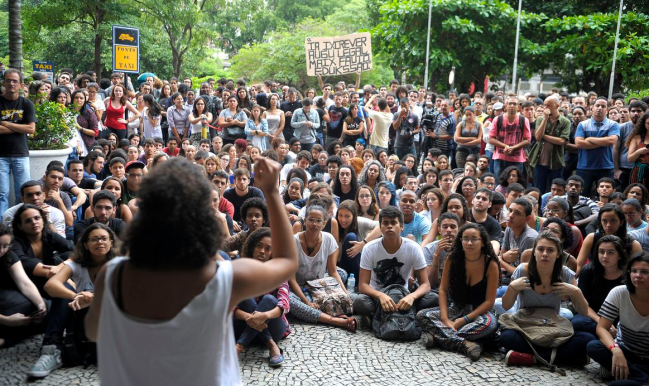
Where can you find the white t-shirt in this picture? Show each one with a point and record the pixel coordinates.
(382, 122)
(287, 168)
(311, 268)
(409, 256)
(56, 218)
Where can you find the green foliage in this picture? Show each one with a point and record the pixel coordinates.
(476, 37)
(55, 127)
(586, 43)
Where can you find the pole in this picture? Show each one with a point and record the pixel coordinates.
(430, 13)
(617, 38)
(518, 31)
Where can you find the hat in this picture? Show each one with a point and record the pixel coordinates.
(361, 141)
(537, 101)
(498, 106)
(134, 164)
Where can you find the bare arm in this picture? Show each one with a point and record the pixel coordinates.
(23, 128)
(55, 286)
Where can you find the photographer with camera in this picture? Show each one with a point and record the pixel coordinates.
(406, 125)
(429, 120)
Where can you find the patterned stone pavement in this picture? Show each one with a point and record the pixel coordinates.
(319, 355)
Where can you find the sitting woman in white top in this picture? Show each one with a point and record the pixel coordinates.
(173, 299)
(625, 357)
(95, 247)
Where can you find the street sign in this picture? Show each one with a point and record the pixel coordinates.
(126, 49)
(44, 67)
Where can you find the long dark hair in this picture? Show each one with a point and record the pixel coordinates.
(17, 221)
(620, 247)
(81, 255)
(253, 239)
(621, 231)
(465, 209)
(503, 177)
(205, 103)
(457, 275)
(154, 107)
(337, 188)
(532, 270)
(397, 176)
(374, 209)
(645, 193)
(120, 200)
(639, 129)
(644, 256)
(353, 227)
(4, 259)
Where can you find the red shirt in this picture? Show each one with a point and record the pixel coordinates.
(175, 154)
(226, 206)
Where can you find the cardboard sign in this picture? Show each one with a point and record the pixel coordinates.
(126, 49)
(339, 55)
(44, 67)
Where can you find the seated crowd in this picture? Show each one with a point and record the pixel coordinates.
(486, 212)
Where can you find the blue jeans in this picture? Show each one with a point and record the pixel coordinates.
(402, 151)
(58, 318)
(20, 168)
(490, 154)
(638, 368)
(307, 146)
(351, 265)
(584, 323)
(543, 177)
(571, 352)
(245, 334)
(591, 177)
(500, 165)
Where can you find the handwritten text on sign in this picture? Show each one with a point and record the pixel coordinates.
(339, 55)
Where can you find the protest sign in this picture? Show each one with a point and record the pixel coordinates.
(339, 55)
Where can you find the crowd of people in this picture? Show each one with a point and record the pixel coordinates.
(485, 208)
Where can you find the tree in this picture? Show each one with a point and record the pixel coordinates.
(580, 50)
(178, 20)
(15, 35)
(477, 37)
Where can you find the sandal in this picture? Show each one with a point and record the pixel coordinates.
(240, 348)
(352, 323)
(276, 360)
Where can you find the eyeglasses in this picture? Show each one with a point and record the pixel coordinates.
(642, 272)
(95, 240)
(471, 240)
(314, 221)
(364, 196)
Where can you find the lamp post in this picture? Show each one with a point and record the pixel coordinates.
(518, 31)
(430, 13)
(617, 38)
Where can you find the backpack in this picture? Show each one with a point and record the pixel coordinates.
(78, 349)
(398, 325)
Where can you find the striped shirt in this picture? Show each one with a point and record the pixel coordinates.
(633, 329)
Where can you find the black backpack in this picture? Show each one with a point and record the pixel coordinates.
(78, 349)
(398, 325)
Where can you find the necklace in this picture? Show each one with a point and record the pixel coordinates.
(309, 250)
(473, 261)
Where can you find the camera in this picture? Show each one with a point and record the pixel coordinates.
(429, 118)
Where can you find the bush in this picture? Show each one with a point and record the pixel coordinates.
(56, 126)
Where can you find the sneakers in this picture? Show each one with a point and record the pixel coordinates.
(429, 340)
(515, 358)
(473, 350)
(49, 361)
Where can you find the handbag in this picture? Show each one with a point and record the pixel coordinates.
(330, 298)
(397, 325)
(543, 327)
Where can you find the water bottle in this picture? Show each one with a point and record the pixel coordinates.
(351, 283)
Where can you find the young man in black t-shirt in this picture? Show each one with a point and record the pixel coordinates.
(240, 193)
(17, 118)
(337, 115)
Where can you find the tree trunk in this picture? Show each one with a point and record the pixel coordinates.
(15, 35)
(97, 62)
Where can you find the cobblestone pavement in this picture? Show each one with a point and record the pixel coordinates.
(319, 355)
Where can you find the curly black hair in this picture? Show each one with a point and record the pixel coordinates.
(457, 275)
(465, 209)
(253, 239)
(504, 175)
(174, 201)
(255, 202)
(81, 255)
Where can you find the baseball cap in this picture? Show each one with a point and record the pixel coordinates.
(498, 106)
(134, 164)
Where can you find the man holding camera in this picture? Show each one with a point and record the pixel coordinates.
(406, 125)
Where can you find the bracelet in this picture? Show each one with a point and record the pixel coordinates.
(611, 347)
(466, 319)
(365, 240)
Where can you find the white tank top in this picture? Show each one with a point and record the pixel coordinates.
(196, 347)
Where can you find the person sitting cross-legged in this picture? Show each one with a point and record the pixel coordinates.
(466, 295)
(403, 255)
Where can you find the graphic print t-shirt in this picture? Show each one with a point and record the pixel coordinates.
(391, 268)
(337, 115)
(20, 111)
